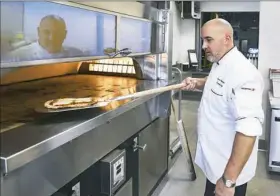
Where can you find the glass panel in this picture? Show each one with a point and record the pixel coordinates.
(46, 30)
(135, 35)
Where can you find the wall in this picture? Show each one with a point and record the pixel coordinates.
(183, 36)
(176, 33)
(269, 42)
(230, 6)
(187, 39)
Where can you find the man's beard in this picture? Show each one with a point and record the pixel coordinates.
(213, 58)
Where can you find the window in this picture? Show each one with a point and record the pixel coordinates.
(135, 34)
(46, 30)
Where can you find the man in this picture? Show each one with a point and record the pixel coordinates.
(51, 35)
(230, 114)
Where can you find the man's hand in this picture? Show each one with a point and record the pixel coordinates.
(222, 190)
(190, 83)
(194, 83)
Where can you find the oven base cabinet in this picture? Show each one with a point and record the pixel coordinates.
(153, 160)
(135, 168)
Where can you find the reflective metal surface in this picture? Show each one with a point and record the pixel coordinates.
(47, 132)
(150, 67)
(169, 40)
(164, 67)
(65, 154)
(152, 161)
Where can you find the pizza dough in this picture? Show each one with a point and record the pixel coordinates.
(70, 103)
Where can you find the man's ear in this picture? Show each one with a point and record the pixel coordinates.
(228, 38)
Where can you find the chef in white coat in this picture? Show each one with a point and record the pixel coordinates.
(51, 35)
(230, 114)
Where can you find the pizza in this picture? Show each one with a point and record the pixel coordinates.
(70, 103)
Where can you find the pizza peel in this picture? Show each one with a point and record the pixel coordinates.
(43, 109)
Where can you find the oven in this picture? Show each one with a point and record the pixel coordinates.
(109, 150)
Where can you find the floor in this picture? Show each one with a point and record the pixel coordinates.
(175, 183)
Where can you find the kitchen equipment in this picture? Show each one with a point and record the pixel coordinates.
(274, 152)
(274, 134)
(274, 75)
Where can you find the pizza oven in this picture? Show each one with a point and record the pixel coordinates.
(24, 90)
(34, 135)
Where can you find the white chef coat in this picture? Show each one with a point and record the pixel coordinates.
(231, 102)
(35, 52)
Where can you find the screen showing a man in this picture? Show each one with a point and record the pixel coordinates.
(51, 35)
(47, 30)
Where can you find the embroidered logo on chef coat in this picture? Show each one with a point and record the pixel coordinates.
(217, 89)
(220, 82)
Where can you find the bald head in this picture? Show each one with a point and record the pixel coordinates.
(54, 19)
(51, 33)
(223, 26)
(217, 35)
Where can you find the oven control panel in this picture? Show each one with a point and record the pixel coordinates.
(113, 172)
(118, 171)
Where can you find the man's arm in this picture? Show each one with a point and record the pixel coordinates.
(246, 107)
(194, 83)
(241, 151)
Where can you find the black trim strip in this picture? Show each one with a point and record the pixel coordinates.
(276, 163)
(250, 89)
(225, 55)
(242, 118)
(216, 93)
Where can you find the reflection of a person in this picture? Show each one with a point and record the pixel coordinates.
(51, 35)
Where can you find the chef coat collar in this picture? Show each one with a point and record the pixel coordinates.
(226, 55)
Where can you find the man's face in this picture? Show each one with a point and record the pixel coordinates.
(51, 35)
(214, 43)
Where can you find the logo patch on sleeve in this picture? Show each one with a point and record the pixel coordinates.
(248, 89)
